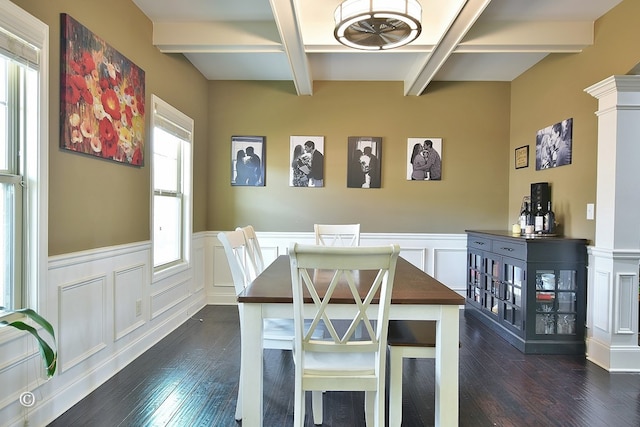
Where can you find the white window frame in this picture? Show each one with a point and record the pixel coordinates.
(15, 22)
(164, 114)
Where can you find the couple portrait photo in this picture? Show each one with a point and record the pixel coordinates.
(307, 161)
(363, 167)
(425, 161)
(554, 145)
(247, 160)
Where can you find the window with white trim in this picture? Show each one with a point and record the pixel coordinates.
(23, 156)
(172, 205)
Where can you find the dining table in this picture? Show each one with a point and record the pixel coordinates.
(415, 296)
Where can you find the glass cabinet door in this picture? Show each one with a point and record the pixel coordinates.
(512, 283)
(491, 286)
(556, 307)
(474, 277)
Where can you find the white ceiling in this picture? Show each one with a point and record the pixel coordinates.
(461, 40)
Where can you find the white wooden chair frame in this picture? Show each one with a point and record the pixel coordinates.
(341, 363)
(337, 234)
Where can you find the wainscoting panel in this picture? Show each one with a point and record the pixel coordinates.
(82, 320)
(169, 297)
(128, 312)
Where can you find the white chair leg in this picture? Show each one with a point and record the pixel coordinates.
(239, 401)
(316, 406)
(298, 402)
(395, 387)
(370, 408)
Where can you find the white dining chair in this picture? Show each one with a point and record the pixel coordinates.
(254, 251)
(406, 339)
(337, 234)
(340, 362)
(277, 333)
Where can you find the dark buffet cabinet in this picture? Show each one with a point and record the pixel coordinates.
(529, 290)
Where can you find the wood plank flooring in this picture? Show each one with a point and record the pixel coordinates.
(190, 378)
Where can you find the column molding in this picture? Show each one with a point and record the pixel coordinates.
(614, 260)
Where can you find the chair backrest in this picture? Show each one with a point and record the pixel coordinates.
(235, 247)
(365, 272)
(337, 234)
(254, 252)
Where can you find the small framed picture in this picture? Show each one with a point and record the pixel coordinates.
(522, 157)
(247, 161)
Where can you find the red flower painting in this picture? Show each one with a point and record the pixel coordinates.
(101, 98)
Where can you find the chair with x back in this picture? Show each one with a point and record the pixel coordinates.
(337, 234)
(277, 333)
(351, 276)
(254, 251)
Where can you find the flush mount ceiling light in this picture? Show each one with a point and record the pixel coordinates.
(377, 24)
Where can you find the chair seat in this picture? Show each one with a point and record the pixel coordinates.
(337, 364)
(283, 329)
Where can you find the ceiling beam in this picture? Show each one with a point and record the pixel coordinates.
(288, 23)
(216, 37)
(425, 70)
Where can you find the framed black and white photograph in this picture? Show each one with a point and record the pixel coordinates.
(363, 162)
(307, 161)
(554, 145)
(248, 161)
(424, 159)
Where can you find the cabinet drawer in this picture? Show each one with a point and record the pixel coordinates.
(477, 242)
(512, 249)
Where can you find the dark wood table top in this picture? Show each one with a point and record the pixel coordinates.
(411, 286)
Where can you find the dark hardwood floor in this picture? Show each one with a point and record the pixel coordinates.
(190, 378)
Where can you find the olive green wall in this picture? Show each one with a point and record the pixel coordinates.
(95, 203)
(552, 91)
(472, 119)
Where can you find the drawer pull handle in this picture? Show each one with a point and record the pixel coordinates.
(478, 243)
(507, 249)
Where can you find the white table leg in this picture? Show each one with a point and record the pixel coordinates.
(447, 355)
(251, 338)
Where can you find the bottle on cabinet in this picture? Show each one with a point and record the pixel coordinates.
(538, 223)
(549, 220)
(524, 217)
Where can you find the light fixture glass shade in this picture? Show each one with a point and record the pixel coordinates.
(377, 24)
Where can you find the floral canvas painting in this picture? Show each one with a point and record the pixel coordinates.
(101, 99)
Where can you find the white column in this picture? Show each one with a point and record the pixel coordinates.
(612, 290)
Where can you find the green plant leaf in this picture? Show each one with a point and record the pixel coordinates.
(49, 354)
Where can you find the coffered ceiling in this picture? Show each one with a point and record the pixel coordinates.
(292, 40)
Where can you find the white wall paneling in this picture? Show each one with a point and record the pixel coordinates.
(81, 320)
(128, 313)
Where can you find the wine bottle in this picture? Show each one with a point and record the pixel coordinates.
(524, 217)
(549, 220)
(538, 224)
